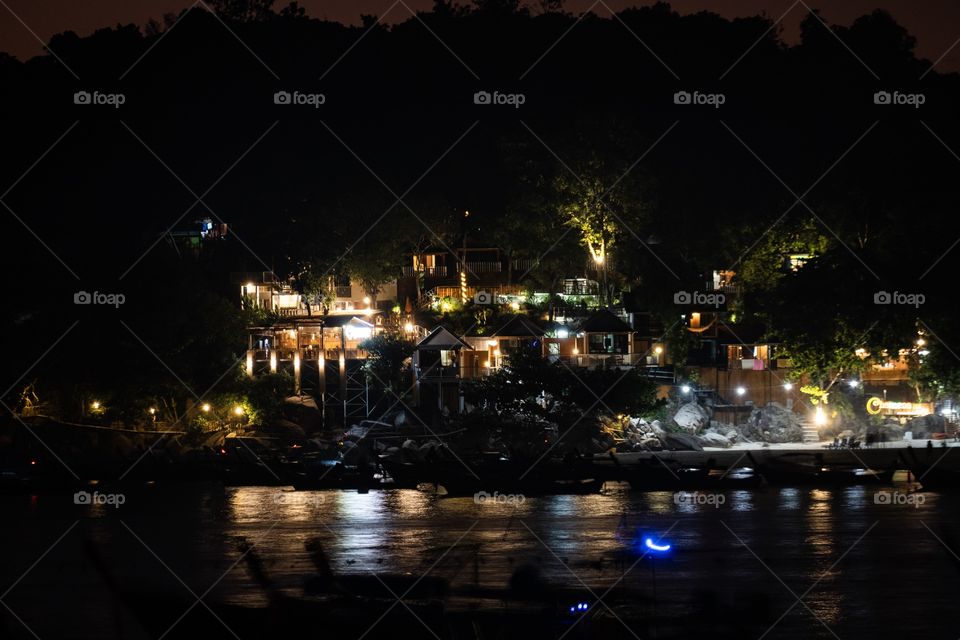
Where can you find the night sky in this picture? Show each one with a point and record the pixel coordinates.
(935, 23)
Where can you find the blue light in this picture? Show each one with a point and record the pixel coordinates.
(650, 544)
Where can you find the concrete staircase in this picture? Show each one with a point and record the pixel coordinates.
(810, 432)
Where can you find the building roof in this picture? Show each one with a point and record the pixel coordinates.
(440, 339)
(518, 326)
(342, 319)
(605, 321)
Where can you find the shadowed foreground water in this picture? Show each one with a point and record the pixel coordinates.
(862, 569)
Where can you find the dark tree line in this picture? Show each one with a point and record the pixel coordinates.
(598, 158)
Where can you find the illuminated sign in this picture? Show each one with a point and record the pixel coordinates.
(877, 406)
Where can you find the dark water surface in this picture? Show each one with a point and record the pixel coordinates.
(862, 569)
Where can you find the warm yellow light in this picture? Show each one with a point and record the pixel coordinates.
(819, 417)
(921, 342)
(658, 350)
(576, 351)
(492, 343)
(486, 363)
(151, 410)
(273, 362)
(515, 305)
(95, 405)
(251, 287)
(496, 352)
(250, 364)
(408, 327)
(296, 362)
(238, 410)
(205, 407)
(598, 258)
(366, 300)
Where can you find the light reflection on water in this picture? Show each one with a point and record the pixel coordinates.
(806, 537)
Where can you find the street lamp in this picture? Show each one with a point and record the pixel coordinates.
(788, 386)
(205, 407)
(741, 391)
(685, 389)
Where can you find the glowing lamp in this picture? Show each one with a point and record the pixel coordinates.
(95, 405)
(685, 389)
(658, 350)
(408, 327)
(238, 410)
(819, 417)
(205, 407)
(788, 386)
(741, 391)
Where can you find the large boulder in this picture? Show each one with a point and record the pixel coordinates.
(773, 423)
(303, 411)
(681, 442)
(923, 427)
(714, 439)
(691, 417)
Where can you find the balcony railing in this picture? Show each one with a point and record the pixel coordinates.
(602, 360)
(580, 288)
(429, 272)
(524, 264)
(484, 267)
(437, 372)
